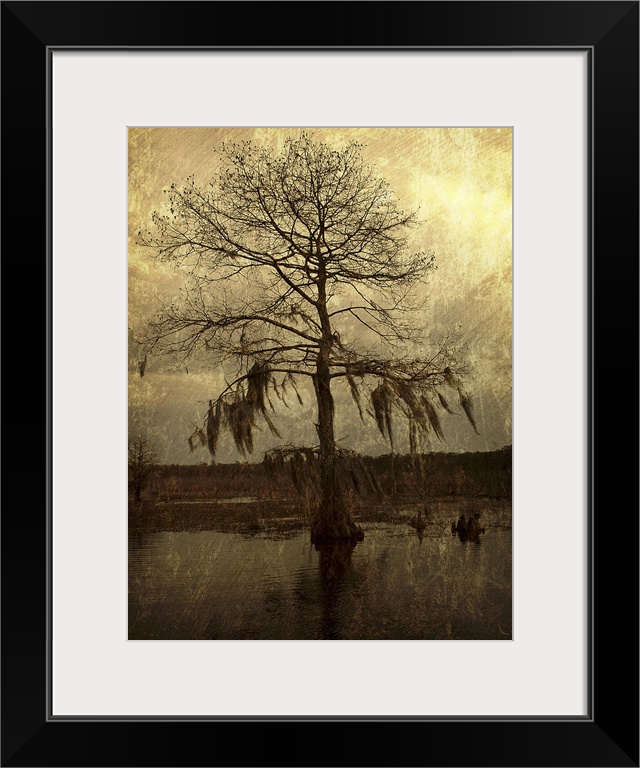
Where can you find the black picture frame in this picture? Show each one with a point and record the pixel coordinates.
(608, 736)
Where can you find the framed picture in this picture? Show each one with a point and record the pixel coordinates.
(562, 79)
(319, 497)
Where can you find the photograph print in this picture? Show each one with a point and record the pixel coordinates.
(320, 383)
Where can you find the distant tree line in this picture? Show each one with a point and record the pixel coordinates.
(486, 473)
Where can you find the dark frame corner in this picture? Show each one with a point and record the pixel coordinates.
(610, 31)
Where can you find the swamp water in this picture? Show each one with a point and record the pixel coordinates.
(394, 585)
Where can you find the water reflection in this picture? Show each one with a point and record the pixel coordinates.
(336, 574)
(393, 585)
(468, 530)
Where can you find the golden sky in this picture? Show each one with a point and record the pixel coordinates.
(460, 179)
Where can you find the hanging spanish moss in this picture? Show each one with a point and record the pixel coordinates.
(271, 425)
(415, 409)
(292, 380)
(280, 391)
(303, 467)
(445, 404)
(432, 415)
(237, 410)
(467, 406)
(240, 420)
(303, 471)
(382, 402)
(417, 402)
(213, 427)
(355, 393)
(354, 473)
(300, 463)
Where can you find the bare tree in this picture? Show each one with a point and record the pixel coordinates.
(297, 266)
(142, 457)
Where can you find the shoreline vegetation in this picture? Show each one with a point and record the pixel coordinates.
(243, 498)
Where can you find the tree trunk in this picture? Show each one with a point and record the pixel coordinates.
(334, 561)
(332, 520)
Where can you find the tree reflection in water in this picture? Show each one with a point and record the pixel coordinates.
(334, 570)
